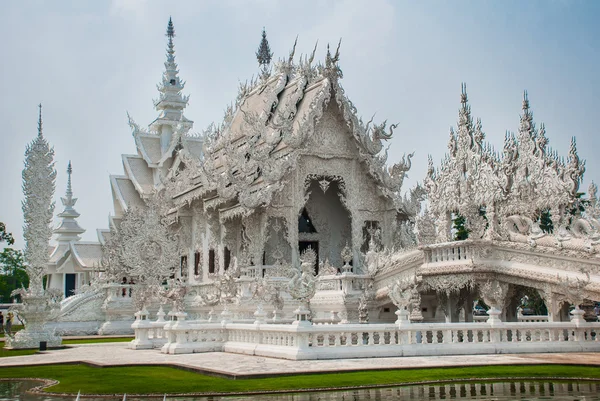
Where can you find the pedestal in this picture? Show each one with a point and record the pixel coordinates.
(302, 316)
(35, 311)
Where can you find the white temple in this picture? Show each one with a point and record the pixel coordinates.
(287, 212)
(71, 264)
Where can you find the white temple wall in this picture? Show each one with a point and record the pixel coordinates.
(333, 157)
(276, 244)
(331, 220)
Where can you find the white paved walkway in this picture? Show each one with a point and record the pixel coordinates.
(112, 354)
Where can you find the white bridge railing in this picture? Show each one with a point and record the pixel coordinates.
(307, 341)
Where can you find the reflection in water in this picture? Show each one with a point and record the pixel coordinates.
(518, 390)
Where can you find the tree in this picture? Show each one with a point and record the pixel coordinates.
(13, 274)
(458, 225)
(5, 236)
(575, 210)
(546, 221)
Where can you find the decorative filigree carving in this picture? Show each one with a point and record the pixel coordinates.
(142, 248)
(302, 286)
(491, 192)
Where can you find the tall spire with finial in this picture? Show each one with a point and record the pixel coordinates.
(465, 121)
(264, 55)
(40, 121)
(171, 102)
(38, 208)
(68, 230)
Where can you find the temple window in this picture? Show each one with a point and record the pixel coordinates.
(182, 266)
(196, 263)
(226, 258)
(211, 261)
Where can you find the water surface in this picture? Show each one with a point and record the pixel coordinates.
(517, 390)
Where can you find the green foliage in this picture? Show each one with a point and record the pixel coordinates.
(12, 273)
(458, 224)
(546, 222)
(578, 207)
(534, 301)
(4, 353)
(5, 236)
(167, 380)
(575, 210)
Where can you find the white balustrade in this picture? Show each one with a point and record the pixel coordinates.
(329, 341)
(448, 252)
(531, 318)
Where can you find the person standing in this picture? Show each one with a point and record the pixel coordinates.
(9, 318)
(1, 321)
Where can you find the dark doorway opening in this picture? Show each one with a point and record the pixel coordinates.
(314, 245)
(304, 223)
(69, 284)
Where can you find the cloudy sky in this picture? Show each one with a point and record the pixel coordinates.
(89, 62)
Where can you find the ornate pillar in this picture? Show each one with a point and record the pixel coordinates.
(356, 227)
(494, 294)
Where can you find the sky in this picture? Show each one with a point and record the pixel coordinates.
(91, 62)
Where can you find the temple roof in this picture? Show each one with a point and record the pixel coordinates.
(87, 254)
(258, 141)
(125, 193)
(138, 172)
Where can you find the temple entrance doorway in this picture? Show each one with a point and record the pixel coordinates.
(314, 245)
(69, 284)
(325, 220)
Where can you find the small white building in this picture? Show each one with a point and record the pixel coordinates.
(72, 261)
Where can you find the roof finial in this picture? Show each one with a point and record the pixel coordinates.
(69, 171)
(170, 34)
(463, 93)
(293, 52)
(40, 121)
(171, 102)
(264, 54)
(525, 101)
(170, 30)
(68, 229)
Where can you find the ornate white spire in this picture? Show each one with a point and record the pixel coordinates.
(171, 102)
(170, 123)
(38, 187)
(40, 121)
(68, 230)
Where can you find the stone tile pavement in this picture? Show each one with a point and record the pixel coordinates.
(115, 354)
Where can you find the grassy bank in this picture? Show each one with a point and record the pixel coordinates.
(160, 380)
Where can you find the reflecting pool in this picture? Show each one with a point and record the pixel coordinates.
(517, 390)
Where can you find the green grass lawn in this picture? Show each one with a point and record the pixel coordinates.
(16, 352)
(160, 380)
(14, 329)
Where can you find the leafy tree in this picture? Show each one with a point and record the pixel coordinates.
(534, 301)
(458, 225)
(546, 222)
(4, 235)
(12, 274)
(12, 267)
(575, 210)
